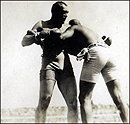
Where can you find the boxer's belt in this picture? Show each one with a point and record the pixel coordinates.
(96, 44)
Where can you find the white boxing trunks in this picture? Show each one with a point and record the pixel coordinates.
(100, 61)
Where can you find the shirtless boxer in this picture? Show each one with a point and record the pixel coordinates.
(98, 60)
(56, 65)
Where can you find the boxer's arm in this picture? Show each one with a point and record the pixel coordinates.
(34, 35)
(83, 54)
(47, 31)
(67, 34)
(29, 38)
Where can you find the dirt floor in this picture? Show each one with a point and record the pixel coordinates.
(102, 114)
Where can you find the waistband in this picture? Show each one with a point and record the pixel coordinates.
(96, 44)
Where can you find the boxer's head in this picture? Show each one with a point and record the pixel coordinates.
(59, 12)
(74, 22)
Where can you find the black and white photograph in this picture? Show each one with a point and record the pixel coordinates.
(64, 61)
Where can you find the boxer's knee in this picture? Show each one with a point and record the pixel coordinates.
(44, 102)
(85, 99)
(72, 105)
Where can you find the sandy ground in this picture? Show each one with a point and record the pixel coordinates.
(102, 114)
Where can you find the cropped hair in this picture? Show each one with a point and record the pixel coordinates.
(74, 22)
(57, 6)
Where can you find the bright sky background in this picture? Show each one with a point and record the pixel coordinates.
(20, 66)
